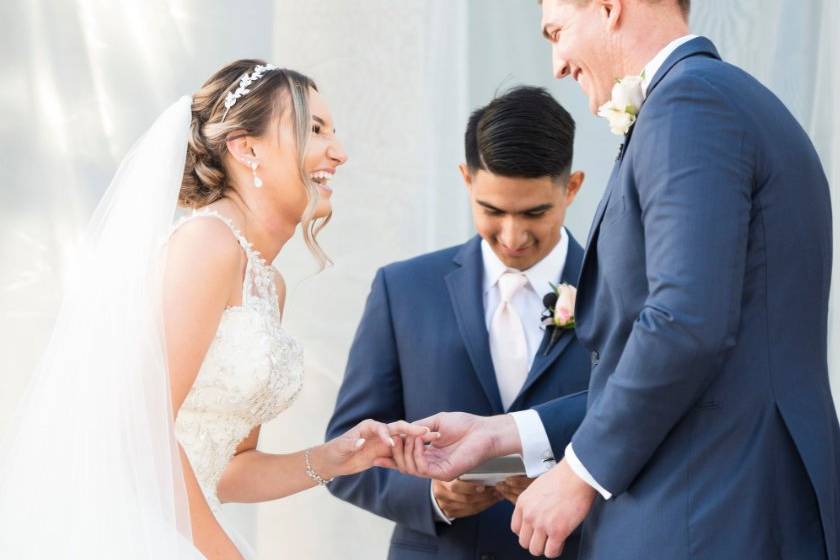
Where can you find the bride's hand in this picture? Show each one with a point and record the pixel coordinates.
(361, 446)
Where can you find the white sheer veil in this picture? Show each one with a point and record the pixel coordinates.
(91, 468)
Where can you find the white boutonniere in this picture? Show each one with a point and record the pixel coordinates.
(559, 314)
(621, 111)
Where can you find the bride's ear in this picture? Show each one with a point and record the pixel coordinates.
(241, 147)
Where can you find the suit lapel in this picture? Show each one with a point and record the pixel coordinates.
(466, 292)
(602, 207)
(543, 360)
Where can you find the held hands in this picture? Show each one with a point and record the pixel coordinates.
(547, 511)
(550, 509)
(459, 499)
(448, 444)
(362, 446)
(464, 441)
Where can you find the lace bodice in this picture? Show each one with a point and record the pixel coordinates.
(253, 370)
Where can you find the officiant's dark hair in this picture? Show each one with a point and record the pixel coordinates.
(523, 133)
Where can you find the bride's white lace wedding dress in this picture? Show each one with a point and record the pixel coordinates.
(252, 371)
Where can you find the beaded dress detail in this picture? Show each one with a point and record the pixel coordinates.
(252, 372)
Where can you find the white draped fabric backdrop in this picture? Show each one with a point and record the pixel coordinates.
(82, 79)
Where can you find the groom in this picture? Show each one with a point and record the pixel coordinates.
(710, 431)
(460, 329)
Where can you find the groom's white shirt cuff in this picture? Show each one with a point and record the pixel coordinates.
(439, 515)
(536, 448)
(537, 454)
(578, 468)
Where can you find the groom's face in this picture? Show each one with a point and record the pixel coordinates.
(581, 46)
(520, 218)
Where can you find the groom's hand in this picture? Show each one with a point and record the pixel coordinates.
(550, 509)
(464, 442)
(459, 499)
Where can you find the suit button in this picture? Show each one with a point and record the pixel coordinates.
(596, 357)
(488, 557)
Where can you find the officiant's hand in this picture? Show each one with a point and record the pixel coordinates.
(360, 447)
(459, 499)
(550, 509)
(465, 441)
(513, 486)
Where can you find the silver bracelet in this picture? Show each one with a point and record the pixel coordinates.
(310, 472)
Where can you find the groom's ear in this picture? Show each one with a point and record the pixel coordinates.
(611, 12)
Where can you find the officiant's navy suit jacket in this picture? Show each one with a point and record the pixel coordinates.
(703, 299)
(422, 348)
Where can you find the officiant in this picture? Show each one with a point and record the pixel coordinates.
(486, 327)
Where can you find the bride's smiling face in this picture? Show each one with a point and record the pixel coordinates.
(277, 154)
(324, 153)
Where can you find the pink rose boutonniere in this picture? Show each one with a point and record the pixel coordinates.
(559, 314)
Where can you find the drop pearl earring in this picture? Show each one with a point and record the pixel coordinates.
(257, 181)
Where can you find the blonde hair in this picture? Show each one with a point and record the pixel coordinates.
(205, 179)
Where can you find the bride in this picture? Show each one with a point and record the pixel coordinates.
(168, 352)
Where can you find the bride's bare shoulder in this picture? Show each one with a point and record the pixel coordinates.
(204, 245)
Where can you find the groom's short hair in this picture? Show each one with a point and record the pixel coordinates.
(523, 133)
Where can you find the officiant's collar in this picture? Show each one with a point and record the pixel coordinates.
(652, 67)
(540, 276)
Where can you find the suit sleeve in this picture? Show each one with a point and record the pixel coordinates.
(693, 175)
(561, 417)
(372, 388)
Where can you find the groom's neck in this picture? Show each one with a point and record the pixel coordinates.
(649, 32)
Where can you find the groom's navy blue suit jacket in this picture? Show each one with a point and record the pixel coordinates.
(703, 299)
(422, 348)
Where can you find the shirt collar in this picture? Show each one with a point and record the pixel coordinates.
(652, 67)
(540, 276)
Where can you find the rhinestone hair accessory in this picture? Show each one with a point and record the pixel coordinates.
(247, 80)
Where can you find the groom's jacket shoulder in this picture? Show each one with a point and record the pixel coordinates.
(694, 73)
(695, 88)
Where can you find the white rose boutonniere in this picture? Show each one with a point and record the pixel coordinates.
(622, 109)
